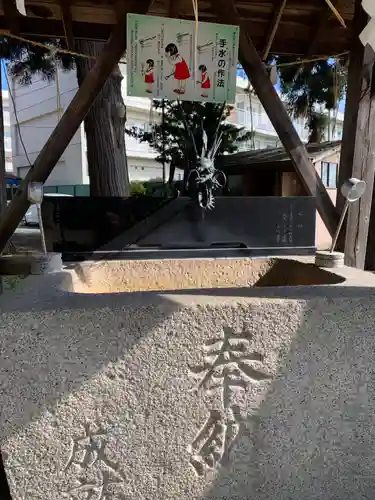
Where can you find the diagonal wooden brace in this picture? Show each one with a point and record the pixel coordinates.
(226, 12)
(65, 129)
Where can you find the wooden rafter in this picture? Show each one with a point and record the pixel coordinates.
(276, 18)
(12, 17)
(320, 27)
(67, 21)
(35, 27)
(335, 12)
(173, 8)
(251, 62)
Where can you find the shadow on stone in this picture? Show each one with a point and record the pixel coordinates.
(313, 436)
(52, 343)
(131, 358)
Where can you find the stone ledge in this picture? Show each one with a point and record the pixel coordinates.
(112, 395)
(23, 265)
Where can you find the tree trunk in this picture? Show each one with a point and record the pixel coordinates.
(105, 130)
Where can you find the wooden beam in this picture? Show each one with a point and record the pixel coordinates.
(3, 190)
(277, 14)
(12, 16)
(317, 31)
(335, 12)
(286, 41)
(67, 21)
(65, 129)
(353, 99)
(257, 74)
(72, 118)
(173, 8)
(363, 167)
(3, 193)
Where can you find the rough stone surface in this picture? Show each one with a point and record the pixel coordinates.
(124, 276)
(104, 397)
(148, 275)
(47, 263)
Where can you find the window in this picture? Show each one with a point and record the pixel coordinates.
(329, 174)
(8, 143)
(6, 117)
(241, 105)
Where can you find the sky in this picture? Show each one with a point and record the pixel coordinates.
(3, 79)
(242, 74)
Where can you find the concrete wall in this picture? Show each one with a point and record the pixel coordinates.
(112, 394)
(291, 186)
(323, 238)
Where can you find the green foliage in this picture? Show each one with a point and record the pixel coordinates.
(176, 138)
(12, 282)
(26, 60)
(315, 85)
(147, 188)
(137, 188)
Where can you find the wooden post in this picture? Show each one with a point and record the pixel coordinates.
(3, 190)
(277, 15)
(65, 129)
(66, 15)
(164, 142)
(353, 98)
(358, 222)
(358, 144)
(257, 74)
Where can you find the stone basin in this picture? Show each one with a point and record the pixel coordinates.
(189, 380)
(163, 275)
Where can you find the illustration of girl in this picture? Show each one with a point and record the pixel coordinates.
(205, 82)
(148, 73)
(181, 71)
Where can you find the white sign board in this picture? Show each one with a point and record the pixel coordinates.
(165, 62)
(368, 34)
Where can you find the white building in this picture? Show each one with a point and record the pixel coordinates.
(39, 106)
(7, 133)
(265, 135)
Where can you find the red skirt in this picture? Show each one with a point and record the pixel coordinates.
(182, 71)
(206, 84)
(149, 78)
